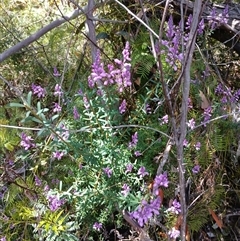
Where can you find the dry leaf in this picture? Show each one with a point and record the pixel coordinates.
(161, 194)
(216, 218)
(205, 103)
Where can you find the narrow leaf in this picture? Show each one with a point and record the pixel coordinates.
(216, 218)
(15, 105)
(29, 98)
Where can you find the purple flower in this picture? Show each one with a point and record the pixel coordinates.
(3, 239)
(148, 109)
(174, 233)
(54, 202)
(134, 141)
(137, 153)
(46, 189)
(63, 132)
(56, 107)
(175, 208)
(164, 120)
(170, 30)
(55, 72)
(108, 171)
(196, 169)
(185, 143)
(129, 167)
(98, 74)
(197, 146)
(126, 52)
(201, 27)
(10, 162)
(160, 180)
(58, 155)
(172, 50)
(26, 141)
(189, 21)
(75, 113)
(207, 115)
(142, 172)
(38, 181)
(80, 92)
(38, 90)
(146, 210)
(126, 190)
(97, 226)
(224, 99)
(219, 89)
(58, 90)
(123, 107)
(191, 124)
(85, 102)
(55, 181)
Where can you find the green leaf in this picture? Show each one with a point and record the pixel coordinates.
(39, 106)
(102, 35)
(9, 146)
(29, 98)
(54, 117)
(15, 105)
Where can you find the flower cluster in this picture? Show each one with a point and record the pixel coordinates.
(215, 19)
(129, 167)
(54, 202)
(63, 132)
(172, 44)
(191, 124)
(38, 90)
(58, 90)
(134, 141)
(56, 107)
(163, 120)
(123, 107)
(207, 115)
(75, 113)
(227, 95)
(142, 172)
(196, 169)
(160, 180)
(26, 141)
(38, 181)
(126, 190)
(97, 226)
(108, 171)
(55, 72)
(58, 155)
(118, 74)
(146, 211)
(175, 208)
(174, 233)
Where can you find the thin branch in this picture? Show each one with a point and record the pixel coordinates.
(184, 111)
(26, 42)
(136, 17)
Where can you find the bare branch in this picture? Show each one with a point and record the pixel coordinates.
(184, 111)
(26, 42)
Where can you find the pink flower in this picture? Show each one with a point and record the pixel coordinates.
(123, 107)
(142, 172)
(58, 155)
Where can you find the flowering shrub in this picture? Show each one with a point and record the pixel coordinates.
(103, 151)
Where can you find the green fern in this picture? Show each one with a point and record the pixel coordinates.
(197, 217)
